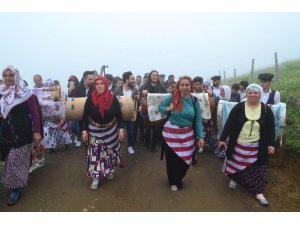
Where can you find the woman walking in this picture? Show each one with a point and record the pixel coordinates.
(19, 127)
(251, 131)
(103, 129)
(182, 131)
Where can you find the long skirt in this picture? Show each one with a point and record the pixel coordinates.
(103, 152)
(176, 167)
(253, 178)
(243, 167)
(16, 167)
(55, 135)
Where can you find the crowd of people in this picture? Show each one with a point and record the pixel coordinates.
(27, 130)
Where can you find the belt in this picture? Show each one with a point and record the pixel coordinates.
(92, 122)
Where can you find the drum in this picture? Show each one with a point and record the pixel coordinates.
(127, 108)
(74, 108)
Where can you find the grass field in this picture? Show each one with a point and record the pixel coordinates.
(289, 73)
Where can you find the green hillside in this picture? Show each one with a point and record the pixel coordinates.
(289, 73)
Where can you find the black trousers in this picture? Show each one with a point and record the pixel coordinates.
(176, 167)
(155, 131)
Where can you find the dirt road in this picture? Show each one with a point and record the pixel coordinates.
(62, 185)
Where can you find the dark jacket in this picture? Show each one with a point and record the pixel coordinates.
(235, 123)
(80, 91)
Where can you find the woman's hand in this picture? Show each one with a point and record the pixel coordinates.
(201, 143)
(271, 150)
(222, 143)
(85, 136)
(171, 107)
(121, 135)
(37, 138)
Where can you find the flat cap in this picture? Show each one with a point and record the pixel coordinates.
(265, 76)
(216, 78)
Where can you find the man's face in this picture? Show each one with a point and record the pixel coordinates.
(38, 81)
(162, 79)
(197, 86)
(89, 80)
(216, 82)
(265, 84)
(131, 82)
(138, 80)
(171, 79)
(119, 83)
(154, 77)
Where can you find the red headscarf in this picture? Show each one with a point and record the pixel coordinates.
(177, 100)
(104, 100)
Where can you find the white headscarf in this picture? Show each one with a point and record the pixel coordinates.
(12, 95)
(255, 87)
(227, 91)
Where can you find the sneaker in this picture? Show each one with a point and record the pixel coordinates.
(94, 185)
(174, 188)
(78, 143)
(130, 150)
(14, 196)
(110, 176)
(232, 184)
(75, 139)
(41, 163)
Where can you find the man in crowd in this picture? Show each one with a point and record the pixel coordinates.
(269, 96)
(128, 89)
(216, 85)
(38, 81)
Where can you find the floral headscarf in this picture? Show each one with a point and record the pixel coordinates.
(12, 95)
(255, 87)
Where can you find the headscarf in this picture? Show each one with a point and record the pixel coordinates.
(104, 100)
(255, 87)
(49, 83)
(177, 100)
(227, 91)
(13, 95)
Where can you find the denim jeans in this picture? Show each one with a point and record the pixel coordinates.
(130, 132)
(76, 129)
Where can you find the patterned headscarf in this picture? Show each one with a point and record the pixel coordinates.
(49, 83)
(255, 87)
(13, 95)
(104, 100)
(177, 100)
(227, 91)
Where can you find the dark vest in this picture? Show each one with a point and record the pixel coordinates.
(271, 98)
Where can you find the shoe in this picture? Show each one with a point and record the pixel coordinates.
(75, 139)
(95, 183)
(33, 167)
(41, 163)
(110, 176)
(262, 200)
(78, 143)
(174, 188)
(232, 185)
(14, 196)
(130, 150)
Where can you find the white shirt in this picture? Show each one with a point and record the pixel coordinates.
(242, 96)
(265, 97)
(127, 93)
(216, 91)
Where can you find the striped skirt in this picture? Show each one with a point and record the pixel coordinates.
(243, 169)
(181, 140)
(103, 152)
